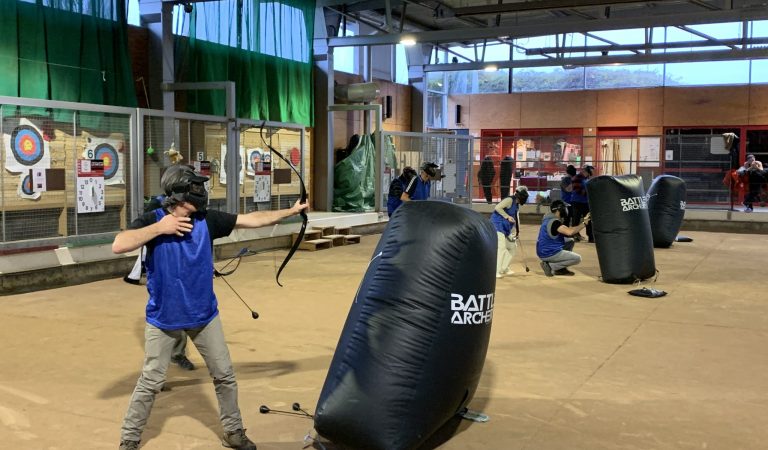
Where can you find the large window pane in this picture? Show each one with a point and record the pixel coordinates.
(547, 79)
(401, 65)
(607, 77)
(760, 71)
(707, 73)
(493, 82)
(345, 59)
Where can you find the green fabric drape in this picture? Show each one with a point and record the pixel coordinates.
(256, 47)
(66, 50)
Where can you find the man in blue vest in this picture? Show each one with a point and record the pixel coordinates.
(397, 187)
(504, 216)
(418, 188)
(179, 239)
(552, 247)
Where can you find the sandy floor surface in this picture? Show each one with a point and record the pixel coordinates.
(573, 363)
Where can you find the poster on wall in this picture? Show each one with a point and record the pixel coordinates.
(25, 148)
(650, 152)
(90, 186)
(110, 151)
(260, 162)
(255, 161)
(223, 168)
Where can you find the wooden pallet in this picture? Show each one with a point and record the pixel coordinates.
(315, 244)
(337, 239)
(351, 239)
(342, 230)
(324, 231)
(309, 235)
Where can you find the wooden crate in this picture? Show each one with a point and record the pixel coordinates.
(325, 231)
(342, 230)
(351, 239)
(309, 235)
(337, 239)
(315, 244)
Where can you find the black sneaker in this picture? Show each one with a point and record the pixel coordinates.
(237, 440)
(130, 280)
(546, 268)
(183, 362)
(564, 271)
(129, 445)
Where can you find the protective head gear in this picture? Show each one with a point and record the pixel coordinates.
(429, 168)
(521, 192)
(570, 170)
(589, 169)
(182, 184)
(409, 172)
(559, 205)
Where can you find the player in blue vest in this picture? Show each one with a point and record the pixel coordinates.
(418, 188)
(579, 200)
(179, 240)
(397, 188)
(554, 245)
(504, 216)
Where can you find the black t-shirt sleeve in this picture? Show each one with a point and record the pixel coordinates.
(411, 188)
(554, 226)
(144, 220)
(220, 224)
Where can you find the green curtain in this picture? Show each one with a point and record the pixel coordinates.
(66, 50)
(265, 47)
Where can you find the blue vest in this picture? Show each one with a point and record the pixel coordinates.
(180, 278)
(422, 189)
(546, 244)
(578, 198)
(503, 225)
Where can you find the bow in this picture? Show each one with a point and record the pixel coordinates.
(302, 198)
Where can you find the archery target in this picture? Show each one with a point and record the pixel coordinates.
(26, 191)
(25, 148)
(240, 166)
(294, 156)
(108, 154)
(107, 151)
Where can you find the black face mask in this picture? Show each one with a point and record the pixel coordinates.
(191, 190)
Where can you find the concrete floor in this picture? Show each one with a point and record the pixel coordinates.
(574, 363)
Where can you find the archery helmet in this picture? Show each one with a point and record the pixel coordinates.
(182, 184)
(429, 168)
(521, 192)
(559, 205)
(409, 172)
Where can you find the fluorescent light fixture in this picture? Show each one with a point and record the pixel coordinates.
(408, 40)
(491, 68)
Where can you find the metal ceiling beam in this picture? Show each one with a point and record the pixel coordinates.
(704, 35)
(653, 58)
(541, 5)
(538, 29)
(651, 46)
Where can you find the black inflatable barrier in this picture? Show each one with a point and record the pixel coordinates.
(413, 346)
(666, 208)
(622, 228)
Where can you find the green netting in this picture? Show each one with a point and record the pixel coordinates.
(354, 179)
(66, 50)
(265, 47)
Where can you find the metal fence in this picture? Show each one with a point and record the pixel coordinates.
(75, 174)
(486, 169)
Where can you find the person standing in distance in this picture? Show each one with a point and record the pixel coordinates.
(579, 199)
(179, 238)
(505, 214)
(556, 253)
(566, 191)
(397, 188)
(418, 188)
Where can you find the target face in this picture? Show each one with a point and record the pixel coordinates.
(108, 154)
(27, 145)
(26, 186)
(295, 156)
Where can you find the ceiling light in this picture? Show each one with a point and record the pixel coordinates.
(491, 68)
(408, 40)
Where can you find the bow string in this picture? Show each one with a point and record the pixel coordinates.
(302, 197)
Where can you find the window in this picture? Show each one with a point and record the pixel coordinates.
(401, 65)
(547, 79)
(607, 77)
(347, 59)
